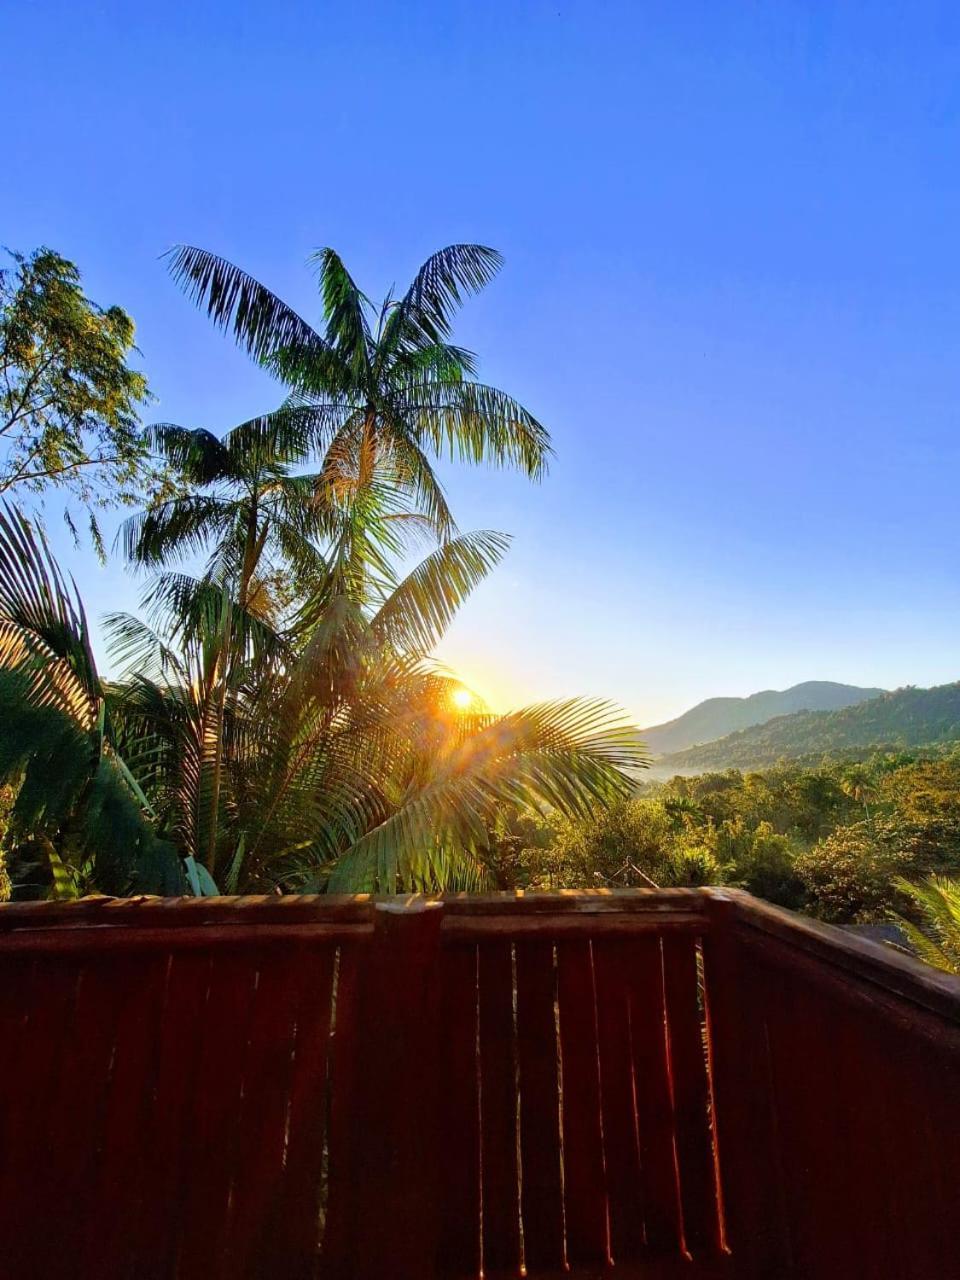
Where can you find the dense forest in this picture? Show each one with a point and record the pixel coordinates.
(905, 719)
(831, 839)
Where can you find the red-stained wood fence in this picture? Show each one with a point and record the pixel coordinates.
(646, 1084)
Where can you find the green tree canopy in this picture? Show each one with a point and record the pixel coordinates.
(68, 397)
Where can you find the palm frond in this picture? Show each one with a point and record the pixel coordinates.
(43, 621)
(195, 452)
(938, 940)
(174, 529)
(344, 310)
(261, 323)
(424, 314)
(570, 756)
(417, 613)
(475, 423)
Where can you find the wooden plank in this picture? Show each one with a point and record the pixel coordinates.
(811, 1125)
(180, 913)
(17, 1000)
(654, 1103)
(620, 1131)
(177, 913)
(84, 940)
(260, 1147)
(43, 1038)
(386, 1142)
(215, 1127)
(123, 1169)
(347, 1117)
(538, 1069)
(458, 1251)
(72, 1124)
(854, 956)
(622, 924)
(169, 1135)
(585, 1199)
(498, 1110)
(295, 1244)
(698, 1189)
(562, 902)
(754, 1210)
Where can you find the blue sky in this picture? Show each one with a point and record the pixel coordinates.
(732, 292)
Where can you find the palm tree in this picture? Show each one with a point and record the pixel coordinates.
(857, 783)
(77, 803)
(381, 378)
(345, 762)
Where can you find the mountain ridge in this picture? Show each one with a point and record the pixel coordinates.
(903, 718)
(715, 718)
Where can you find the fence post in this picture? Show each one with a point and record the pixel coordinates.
(750, 1171)
(384, 1166)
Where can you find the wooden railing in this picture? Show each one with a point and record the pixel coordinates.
(664, 1083)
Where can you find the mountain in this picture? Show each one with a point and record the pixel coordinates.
(905, 718)
(717, 717)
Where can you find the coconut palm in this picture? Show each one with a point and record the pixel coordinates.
(379, 378)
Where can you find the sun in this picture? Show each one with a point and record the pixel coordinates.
(461, 698)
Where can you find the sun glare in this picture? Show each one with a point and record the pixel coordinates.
(461, 698)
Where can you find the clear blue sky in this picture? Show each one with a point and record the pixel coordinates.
(732, 292)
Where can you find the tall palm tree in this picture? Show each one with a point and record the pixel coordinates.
(384, 377)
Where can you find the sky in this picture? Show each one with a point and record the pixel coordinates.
(731, 292)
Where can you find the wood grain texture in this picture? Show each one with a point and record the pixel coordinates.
(585, 1194)
(512, 1079)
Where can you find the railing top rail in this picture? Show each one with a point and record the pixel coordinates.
(99, 923)
(343, 909)
(852, 957)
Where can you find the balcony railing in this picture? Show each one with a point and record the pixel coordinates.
(677, 1083)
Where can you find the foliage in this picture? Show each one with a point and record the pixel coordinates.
(75, 804)
(850, 874)
(907, 718)
(381, 383)
(937, 939)
(799, 837)
(280, 714)
(317, 745)
(68, 398)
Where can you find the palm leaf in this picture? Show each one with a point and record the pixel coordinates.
(418, 612)
(260, 322)
(570, 756)
(424, 314)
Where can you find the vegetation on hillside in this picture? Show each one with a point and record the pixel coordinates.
(905, 719)
(832, 840)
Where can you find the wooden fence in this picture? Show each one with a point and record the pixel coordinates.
(662, 1083)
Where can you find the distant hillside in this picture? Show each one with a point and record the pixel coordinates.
(905, 718)
(717, 717)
